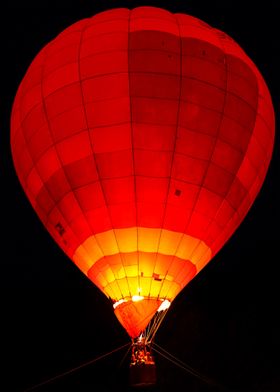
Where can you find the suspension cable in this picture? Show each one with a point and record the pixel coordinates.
(75, 368)
(125, 355)
(193, 371)
(158, 320)
(176, 361)
(154, 325)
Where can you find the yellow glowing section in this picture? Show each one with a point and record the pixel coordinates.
(141, 262)
(148, 239)
(107, 243)
(126, 239)
(169, 242)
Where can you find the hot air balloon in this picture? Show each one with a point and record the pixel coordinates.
(141, 139)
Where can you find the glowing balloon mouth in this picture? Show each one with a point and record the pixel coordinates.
(165, 304)
(139, 314)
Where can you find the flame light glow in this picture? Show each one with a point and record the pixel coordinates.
(165, 305)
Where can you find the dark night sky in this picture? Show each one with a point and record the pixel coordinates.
(225, 324)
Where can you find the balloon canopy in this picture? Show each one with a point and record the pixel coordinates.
(141, 138)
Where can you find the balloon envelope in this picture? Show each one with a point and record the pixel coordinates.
(141, 138)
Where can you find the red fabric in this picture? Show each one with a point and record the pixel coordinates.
(142, 118)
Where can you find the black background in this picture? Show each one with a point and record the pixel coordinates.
(224, 324)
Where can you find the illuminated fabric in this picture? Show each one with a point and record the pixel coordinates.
(141, 139)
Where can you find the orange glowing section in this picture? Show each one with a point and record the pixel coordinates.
(141, 261)
(135, 315)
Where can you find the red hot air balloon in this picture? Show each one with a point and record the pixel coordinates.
(141, 138)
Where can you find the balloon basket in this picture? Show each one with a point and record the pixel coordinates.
(143, 375)
(142, 366)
